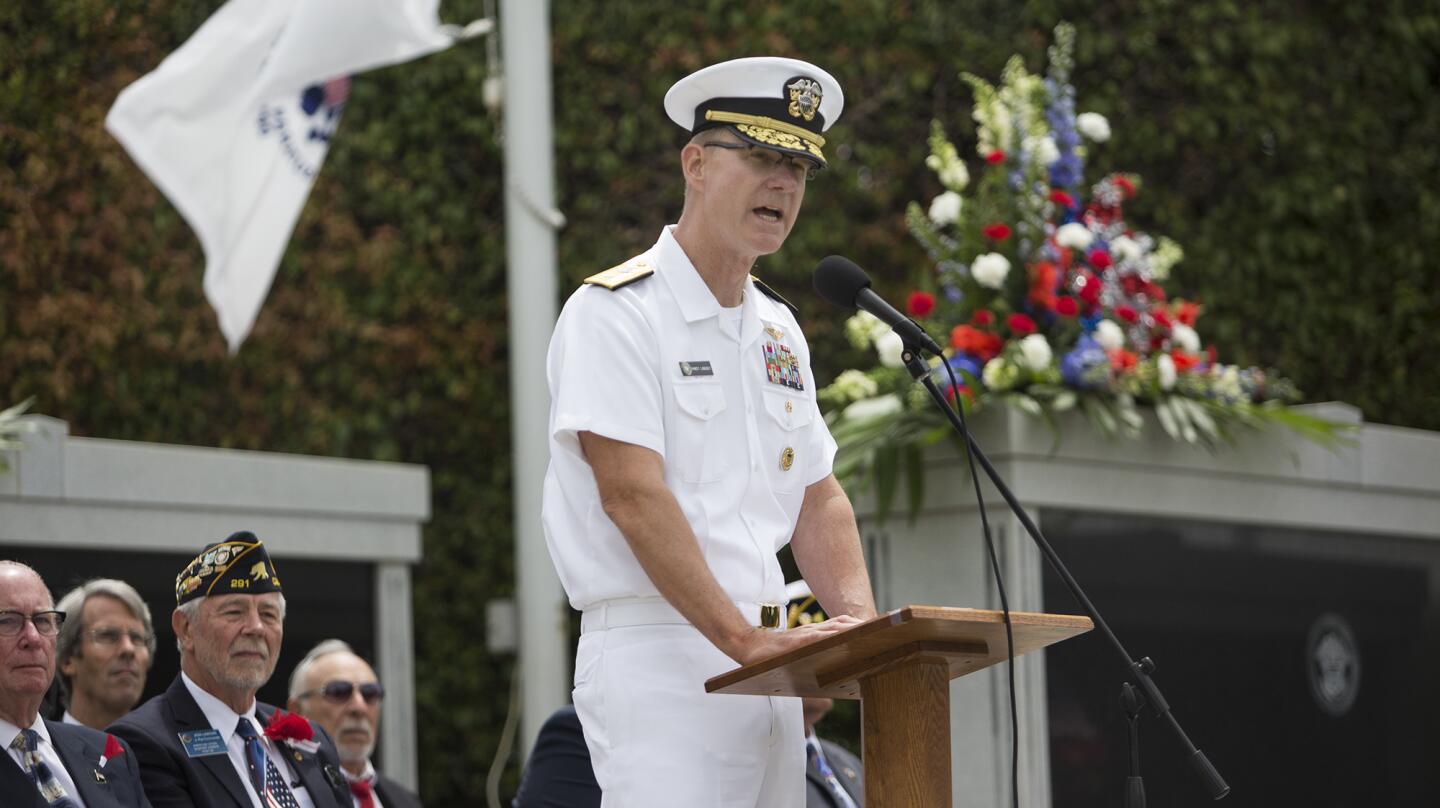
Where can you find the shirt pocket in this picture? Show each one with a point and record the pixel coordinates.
(787, 432)
(697, 456)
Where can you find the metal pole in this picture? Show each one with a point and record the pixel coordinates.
(530, 224)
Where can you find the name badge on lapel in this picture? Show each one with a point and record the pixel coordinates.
(203, 743)
(696, 367)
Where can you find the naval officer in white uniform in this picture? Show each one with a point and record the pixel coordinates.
(686, 449)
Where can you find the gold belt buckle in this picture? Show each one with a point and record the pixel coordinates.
(770, 615)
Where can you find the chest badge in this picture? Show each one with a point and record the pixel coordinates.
(787, 458)
(696, 368)
(782, 367)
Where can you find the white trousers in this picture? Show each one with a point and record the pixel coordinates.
(657, 739)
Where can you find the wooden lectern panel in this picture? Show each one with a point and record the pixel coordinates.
(968, 639)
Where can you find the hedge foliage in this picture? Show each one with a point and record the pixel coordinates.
(1290, 149)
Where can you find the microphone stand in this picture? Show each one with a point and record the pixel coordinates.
(1133, 703)
(1139, 669)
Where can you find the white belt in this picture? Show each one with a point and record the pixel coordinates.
(623, 612)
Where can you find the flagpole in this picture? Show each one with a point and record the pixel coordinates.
(530, 224)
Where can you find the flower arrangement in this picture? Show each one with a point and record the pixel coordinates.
(1048, 298)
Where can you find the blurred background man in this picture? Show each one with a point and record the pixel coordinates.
(337, 689)
(104, 651)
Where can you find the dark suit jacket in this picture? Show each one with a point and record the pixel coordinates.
(172, 778)
(394, 795)
(80, 749)
(558, 773)
(847, 770)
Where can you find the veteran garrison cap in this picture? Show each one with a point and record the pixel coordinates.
(238, 565)
(770, 101)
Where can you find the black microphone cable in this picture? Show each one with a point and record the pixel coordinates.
(999, 586)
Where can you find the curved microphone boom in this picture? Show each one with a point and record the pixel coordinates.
(840, 281)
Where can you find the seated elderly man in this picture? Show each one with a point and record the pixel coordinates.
(105, 650)
(338, 690)
(48, 763)
(206, 741)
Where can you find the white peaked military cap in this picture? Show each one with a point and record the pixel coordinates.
(770, 101)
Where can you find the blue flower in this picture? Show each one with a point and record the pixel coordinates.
(1076, 366)
(960, 362)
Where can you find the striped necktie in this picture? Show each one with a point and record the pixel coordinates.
(266, 779)
(832, 783)
(28, 742)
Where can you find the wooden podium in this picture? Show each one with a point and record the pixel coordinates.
(900, 665)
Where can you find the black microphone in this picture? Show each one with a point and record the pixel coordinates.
(841, 282)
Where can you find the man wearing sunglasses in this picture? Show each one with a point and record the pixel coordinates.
(104, 650)
(48, 763)
(686, 448)
(207, 742)
(338, 690)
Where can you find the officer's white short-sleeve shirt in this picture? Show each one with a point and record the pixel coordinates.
(729, 405)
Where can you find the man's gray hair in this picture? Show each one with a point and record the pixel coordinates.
(325, 648)
(191, 610)
(73, 605)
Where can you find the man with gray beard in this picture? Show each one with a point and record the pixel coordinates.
(206, 741)
(337, 689)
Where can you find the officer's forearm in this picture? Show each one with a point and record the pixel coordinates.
(826, 545)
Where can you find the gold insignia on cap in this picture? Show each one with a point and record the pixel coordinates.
(804, 98)
(258, 571)
(787, 459)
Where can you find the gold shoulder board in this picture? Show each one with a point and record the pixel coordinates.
(622, 275)
(774, 295)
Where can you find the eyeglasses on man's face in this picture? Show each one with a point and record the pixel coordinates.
(340, 692)
(47, 623)
(766, 160)
(109, 637)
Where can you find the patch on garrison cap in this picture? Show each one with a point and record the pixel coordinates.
(803, 609)
(238, 565)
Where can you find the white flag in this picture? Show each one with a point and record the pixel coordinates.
(233, 126)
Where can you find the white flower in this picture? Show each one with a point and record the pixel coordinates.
(990, 270)
(1074, 236)
(1042, 149)
(1109, 335)
(1125, 248)
(862, 328)
(955, 176)
(999, 374)
(854, 385)
(889, 346)
(1166, 367)
(945, 209)
(873, 408)
(1036, 352)
(1093, 126)
(1185, 338)
(1166, 255)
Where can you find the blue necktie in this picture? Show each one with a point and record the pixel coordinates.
(28, 742)
(266, 779)
(832, 783)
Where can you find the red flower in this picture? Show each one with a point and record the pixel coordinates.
(982, 318)
(1126, 186)
(1154, 292)
(999, 231)
(1161, 318)
(995, 158)
(285, 726)
(1062, 199)
(113, 749)
(1067, 307)
(1184, 361)
(920, 304)
(1132, 285)
(1021, 324)
(1122, 360)
(1127, 314)
(1043, 277)
(1099, 259)
(974, 341)
(1090, 292)
(1187, 312)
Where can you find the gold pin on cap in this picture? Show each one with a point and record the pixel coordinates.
(770, 615)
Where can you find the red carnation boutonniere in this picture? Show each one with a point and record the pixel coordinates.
(113, 750)
(293, 731)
